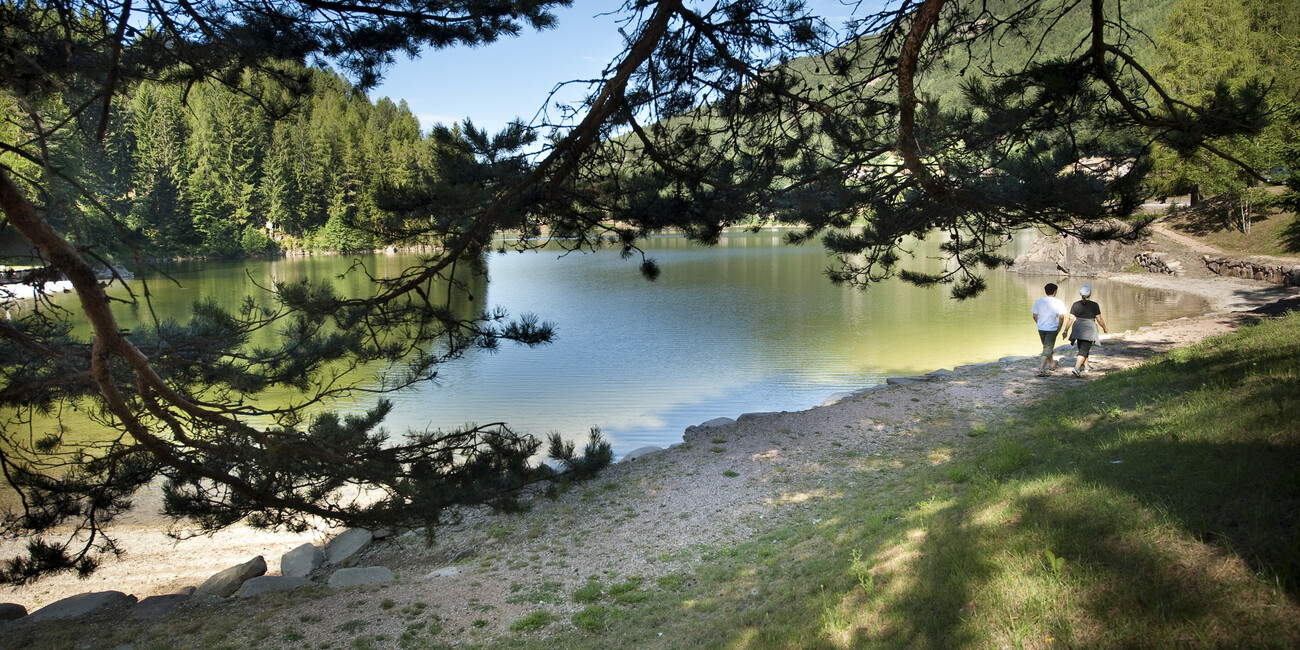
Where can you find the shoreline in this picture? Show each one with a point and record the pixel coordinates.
(687, 495)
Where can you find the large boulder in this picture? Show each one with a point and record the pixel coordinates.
(347, 544)
(263, 584)
(228, 582)
(360, 576)
(155, 606)
(80, 605)
(640, 452)
(301, 561)
(1068, 255)
(11, 611)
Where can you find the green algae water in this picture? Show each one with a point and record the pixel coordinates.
(750, 325)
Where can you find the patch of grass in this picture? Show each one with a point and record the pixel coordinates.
(1010, 454)
(594, 618)
(670, 582)
(628, 591)
(546, 592)
(957, 473)
(589, 593)
(534, 621)
(717, 450)
(414, 610)
(731, 473)
(353, 626)
(374, 642)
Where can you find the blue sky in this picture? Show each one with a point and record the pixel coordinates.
(511, 78)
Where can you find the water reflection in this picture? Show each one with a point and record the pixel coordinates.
(750, 325)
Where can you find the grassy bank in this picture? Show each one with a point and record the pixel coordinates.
(1156, 507)
(1152, 507)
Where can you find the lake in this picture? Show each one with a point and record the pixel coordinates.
(751, 325)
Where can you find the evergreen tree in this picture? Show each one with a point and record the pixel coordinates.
(1214, 49)
(713, 113)
(181, 399)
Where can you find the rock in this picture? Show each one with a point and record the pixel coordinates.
(717, 422)
(370, 575)
(902, 381)
(227, 582)
(942, 373)
(381, 533)
(347, 544)
(11, 611)
(155, 606)
(444, 572)
(748, 417)
(836, 398)
(1069, 255)
(80, 605)
(301, 561)
(263, 584)
(639, 452)
(697, 430)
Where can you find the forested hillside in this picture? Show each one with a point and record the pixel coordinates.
(206, 170)
(203, 169)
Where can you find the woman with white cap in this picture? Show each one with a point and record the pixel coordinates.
(1082, 323)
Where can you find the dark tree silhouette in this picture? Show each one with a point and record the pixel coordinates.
(711, 114)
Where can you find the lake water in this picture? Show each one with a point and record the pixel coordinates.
(748, 326)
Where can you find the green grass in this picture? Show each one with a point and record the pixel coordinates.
(592, 619)
(589, 593)
(1272, 231)
(534, 621)
(1155, 507)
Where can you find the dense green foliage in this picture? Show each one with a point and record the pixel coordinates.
(213, 170)
(214, 173)
(1210, 49)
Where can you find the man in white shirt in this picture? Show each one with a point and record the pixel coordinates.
(1049, 315)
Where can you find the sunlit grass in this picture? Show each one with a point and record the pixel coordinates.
(1151, 508)
(1156, 507)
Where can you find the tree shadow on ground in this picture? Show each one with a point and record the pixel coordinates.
(1289, 237)
(1173, 533)
(1206, 218)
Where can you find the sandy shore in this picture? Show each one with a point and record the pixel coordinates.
(646, 516)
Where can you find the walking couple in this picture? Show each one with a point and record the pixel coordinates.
(1078, 325)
